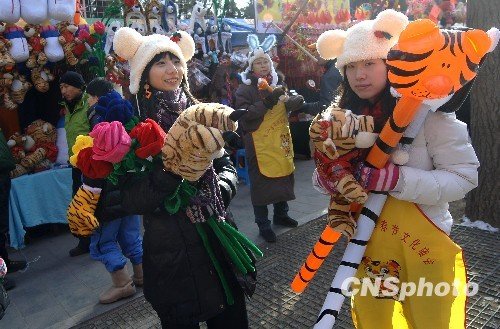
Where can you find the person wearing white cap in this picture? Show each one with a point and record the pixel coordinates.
(268, 143)
(185, 283)
(440, 167)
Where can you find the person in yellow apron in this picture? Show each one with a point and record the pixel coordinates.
(266, 134)
(410, 242)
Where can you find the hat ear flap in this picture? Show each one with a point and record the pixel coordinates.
(126, 42)
(253, 41)
(268, 43)
(186, 43)
(330, 44)
(391, 22)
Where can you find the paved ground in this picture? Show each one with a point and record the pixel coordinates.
(58, 291)
(274, 305)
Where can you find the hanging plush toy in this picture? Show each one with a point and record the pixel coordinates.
(62, 10)
(41, 78)
(225, 37)
(68, 41)
(197, 19)
(110, 34)
(135, 18)
(37, 44)
(169, 17)
(53, 48)
(212, 37)
(199, 39)
(10, 11)
(19, 88)
(153, 17)
(34, 14)
(113, 74)
(20, 48)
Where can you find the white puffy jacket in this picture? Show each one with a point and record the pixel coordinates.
(442, 168)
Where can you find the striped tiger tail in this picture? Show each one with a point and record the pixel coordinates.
(313, 262)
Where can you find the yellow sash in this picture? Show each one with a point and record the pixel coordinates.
(273, 144)
(407, 245)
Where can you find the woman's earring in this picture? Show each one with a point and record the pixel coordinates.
(147, 93)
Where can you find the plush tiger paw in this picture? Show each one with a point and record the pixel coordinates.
(343, 223)
(80, 213)
(197, 138)
(351, 189)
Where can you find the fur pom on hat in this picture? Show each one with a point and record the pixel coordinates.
(258, 50)
(139, 50)
(370, 39)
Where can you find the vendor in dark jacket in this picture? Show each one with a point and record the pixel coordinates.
(330, 80)
(180, 279)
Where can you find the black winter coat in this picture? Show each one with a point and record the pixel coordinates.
(179, 279)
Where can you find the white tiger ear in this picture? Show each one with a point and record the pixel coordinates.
(330, 44)
(268, 43)
(186, 43)
(253, 41)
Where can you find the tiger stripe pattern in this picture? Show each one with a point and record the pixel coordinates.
(80, 213)
(421, 71)
(195, 139)
(333, 134)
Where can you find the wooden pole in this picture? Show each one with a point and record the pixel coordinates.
(311, 56)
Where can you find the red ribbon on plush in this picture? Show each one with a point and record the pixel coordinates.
(150, 136)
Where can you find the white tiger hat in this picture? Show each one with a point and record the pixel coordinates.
(258, 50)
(140, 50)
(370, 39)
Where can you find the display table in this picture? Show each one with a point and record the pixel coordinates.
(36, 199)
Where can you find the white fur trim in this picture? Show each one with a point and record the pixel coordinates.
(400, 157)
(139, 51)
(365, 139)
(494, 35)
(359, 42)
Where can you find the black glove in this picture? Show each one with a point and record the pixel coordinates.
(294, 103)
(254, 80)
(273, 98)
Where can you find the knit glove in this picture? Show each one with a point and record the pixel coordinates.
(81, 210)
(294, 103)
(382, 180)
(273, 98)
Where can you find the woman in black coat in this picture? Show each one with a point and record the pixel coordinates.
(180, 280)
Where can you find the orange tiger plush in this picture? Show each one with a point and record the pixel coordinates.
(428, 64)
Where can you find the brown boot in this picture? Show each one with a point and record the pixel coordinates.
(122, 287)
(138, 277)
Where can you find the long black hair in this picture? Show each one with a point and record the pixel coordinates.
(147, 107)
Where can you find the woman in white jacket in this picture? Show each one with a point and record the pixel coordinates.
(442, 167)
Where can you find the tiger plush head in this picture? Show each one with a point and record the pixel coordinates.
(336, 132)
(429, 63)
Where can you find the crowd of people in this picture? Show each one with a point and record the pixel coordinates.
(171, 261)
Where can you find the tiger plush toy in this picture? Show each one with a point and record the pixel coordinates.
(80, 213)
(426, 65)
(339, 137)
(197, 137)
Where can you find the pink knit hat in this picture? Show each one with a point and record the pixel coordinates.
(111, 141)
